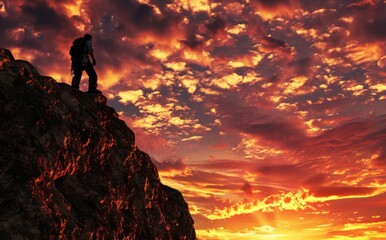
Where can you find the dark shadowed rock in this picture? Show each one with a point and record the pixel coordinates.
(5, 56)
(69, 167)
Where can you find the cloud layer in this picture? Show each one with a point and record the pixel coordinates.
(268, 115)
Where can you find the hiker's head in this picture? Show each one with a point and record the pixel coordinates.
(87, 36)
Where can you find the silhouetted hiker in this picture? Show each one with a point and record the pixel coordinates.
(81, 51)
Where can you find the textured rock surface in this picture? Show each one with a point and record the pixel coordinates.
(70, 168)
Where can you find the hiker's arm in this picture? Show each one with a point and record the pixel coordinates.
(91, 52)
(92, 58)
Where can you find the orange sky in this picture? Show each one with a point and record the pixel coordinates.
(269, 116)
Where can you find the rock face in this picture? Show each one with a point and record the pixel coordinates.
(69, 168)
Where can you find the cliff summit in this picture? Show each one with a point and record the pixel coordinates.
(70, 169)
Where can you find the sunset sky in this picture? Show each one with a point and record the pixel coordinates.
(268, 115)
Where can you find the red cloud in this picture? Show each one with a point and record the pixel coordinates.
(281, 170)
(369, 21)
(343, 191)
(247, 189)
(221, 146)
(315, 180)
(219, 164)
(216, 25)
(170, 165)
(275, 8)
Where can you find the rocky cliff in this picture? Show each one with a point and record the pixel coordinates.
(69, 167)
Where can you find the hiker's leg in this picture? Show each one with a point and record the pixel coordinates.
(77, 71)
(92, 76)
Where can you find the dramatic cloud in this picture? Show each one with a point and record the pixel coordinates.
(267, 115)
(343, 191)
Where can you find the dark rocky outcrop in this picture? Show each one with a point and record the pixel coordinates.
(69, 167)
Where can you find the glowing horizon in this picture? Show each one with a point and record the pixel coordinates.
(267, 115)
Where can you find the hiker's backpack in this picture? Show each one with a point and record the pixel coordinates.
(77, 48)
